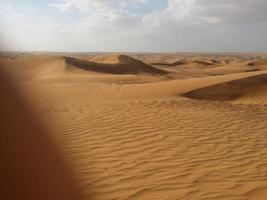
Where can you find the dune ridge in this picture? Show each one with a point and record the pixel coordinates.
(258, 63)
(231, 90)
(115, 64)
(231, 69)
(184, 62)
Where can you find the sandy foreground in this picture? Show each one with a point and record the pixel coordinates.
(154, 126)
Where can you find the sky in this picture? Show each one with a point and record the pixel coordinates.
(134, 25)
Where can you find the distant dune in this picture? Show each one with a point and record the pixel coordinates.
(261, 64)
(184, 62)
(176, 63)
(114, 64)
(233, 68)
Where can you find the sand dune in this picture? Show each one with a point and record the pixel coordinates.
(185, 62)
(26, 68)
(258, 63)
(115, 64)
(234, 68)
(176, 63)
(261, 64)
(183, 69)
(37, 68)
(232, 90)
(128, 130)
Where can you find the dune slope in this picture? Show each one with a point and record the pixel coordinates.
(231, 90)
(117, 64)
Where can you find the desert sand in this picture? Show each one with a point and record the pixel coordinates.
(153, 126)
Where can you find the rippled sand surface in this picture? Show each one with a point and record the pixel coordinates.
(187, 127)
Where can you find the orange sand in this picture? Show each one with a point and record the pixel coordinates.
(172, 126)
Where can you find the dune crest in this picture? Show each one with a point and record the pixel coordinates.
(231, 90)
(184, 62)
(114, 64)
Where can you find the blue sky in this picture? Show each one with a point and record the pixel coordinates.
(42, 8)
(150, 7)
(37, 10)
(134, 25)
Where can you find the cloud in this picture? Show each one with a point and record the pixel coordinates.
(211, 11)
(182, 25)
(234, 10)
(87, 6)
(103, 14)
(108, 13)
(65, 7)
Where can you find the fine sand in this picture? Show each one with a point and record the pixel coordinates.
(153, 126)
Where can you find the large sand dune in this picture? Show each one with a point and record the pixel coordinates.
(116, 64)
(232, 90)
(130, 130)
(101, 69)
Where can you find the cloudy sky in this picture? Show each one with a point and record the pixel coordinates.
(134, 25)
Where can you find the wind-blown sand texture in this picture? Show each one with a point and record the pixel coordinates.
(154, 126)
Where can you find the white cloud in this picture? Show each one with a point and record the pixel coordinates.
(101, 14)
(65, 7)
(85, 6)
(211, 11)
(183, 25)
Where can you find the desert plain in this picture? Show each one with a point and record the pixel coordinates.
(174, 126)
